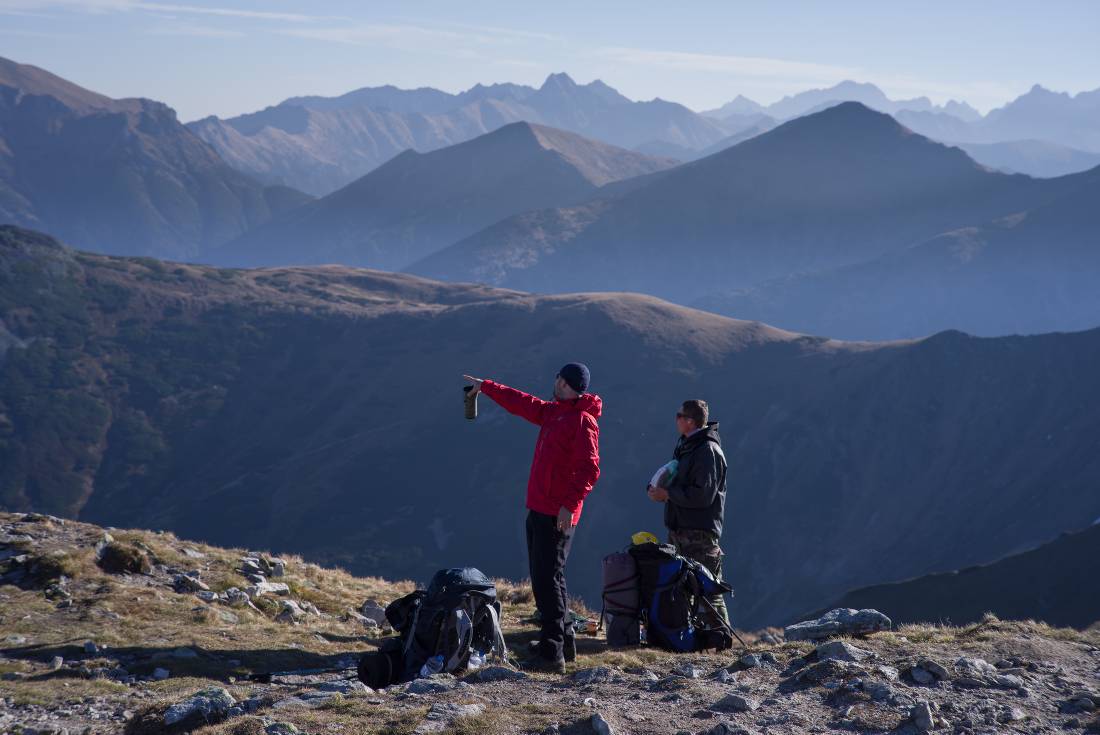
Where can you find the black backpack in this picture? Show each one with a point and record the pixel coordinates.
(458, 614)
(672, 590)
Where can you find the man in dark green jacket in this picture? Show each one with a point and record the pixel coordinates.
(695, 496)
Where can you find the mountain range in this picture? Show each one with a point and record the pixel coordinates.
(1048, 583)
(834, 188)
(317, 410)
(322, 144)
(120, 176)
(1030, 272)
(418, 203)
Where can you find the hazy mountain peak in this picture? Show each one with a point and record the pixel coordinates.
(559, 80)
(30, 79)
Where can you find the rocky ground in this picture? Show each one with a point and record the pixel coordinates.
(105, 631)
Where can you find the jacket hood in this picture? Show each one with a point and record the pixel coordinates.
(589, 403)
(707, 433)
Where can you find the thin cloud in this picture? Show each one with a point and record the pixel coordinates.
(748, 66)
(121, 6)
(193, 30)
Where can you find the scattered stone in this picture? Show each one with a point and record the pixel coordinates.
(289, 612)
(347, 687)
(921, 713)
(841, 651)
(596, 675)
(726, 728)
(687, 670)
(189, 583)
(974, 667)
(353, 616)
(372, 610)
(90, 647)
(1011, 714)
(600, 726)
(56, 663)
(935, 668)
(751, 660)
(828, 669)
(841, 621)
(498, 673)
(724, 676)
(160, 674)
(877, 690)
(278, 567)
(227, 617)
(235, 597)
(443, 714)
(432, 684)
(204, 706)
(281, 728)
(267, 588)
(735, 703)
(921, 676)
(193, 553)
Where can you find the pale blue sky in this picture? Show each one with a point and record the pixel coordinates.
(225, 57)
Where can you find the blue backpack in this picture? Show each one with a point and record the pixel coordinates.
(672, 591)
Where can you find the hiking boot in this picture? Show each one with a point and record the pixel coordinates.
(548, 665)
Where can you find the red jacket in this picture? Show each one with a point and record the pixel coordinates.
(567, 454)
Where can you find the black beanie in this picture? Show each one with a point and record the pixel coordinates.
(576, 375)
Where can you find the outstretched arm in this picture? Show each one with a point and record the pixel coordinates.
(513, 401)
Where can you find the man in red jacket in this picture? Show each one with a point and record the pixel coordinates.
(563, 471)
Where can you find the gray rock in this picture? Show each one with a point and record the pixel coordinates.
(189, 583)
(596, 675)
(1011, 714)
(443, 714)
(91, 647)
(372, 610)
(724, 676)
(921, 713)
(278, 567)
(726, 728)
(432, 684)
(289, 612)
(600, 726)
(841, 621)
(752, 660)
(1008, 681)
(841, 651)
(877, 690)
(235, 597)
(161, 674)
(935, 668)
(267, 588)
(281, 728)
(974, 667)
(56, 663)
(498, 673)
(687, 670)
(347, 687)
(206, 595)
(205, 705)
(735, 703)
(921, 676)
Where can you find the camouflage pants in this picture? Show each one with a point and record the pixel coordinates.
(702, 546)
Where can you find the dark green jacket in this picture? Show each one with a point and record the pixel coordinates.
(697, 494)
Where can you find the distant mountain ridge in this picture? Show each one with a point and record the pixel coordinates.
(829, 189)
(1049, 583)
(321, 144)
(1032, 272)
(418, 203)
(119, 176)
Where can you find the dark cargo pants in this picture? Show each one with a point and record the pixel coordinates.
(547, 550)
(702, 546)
